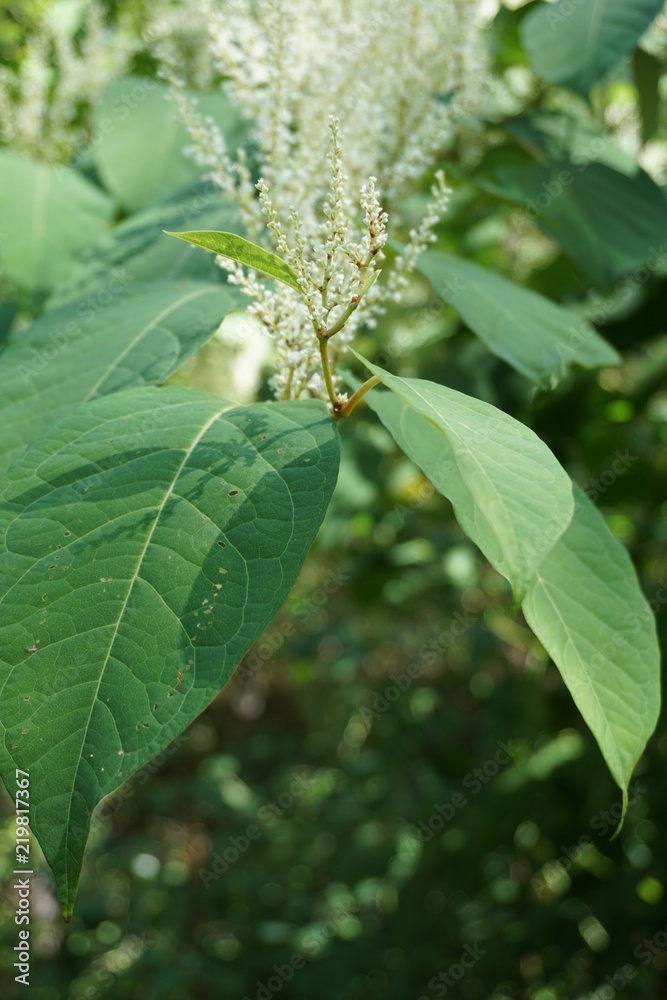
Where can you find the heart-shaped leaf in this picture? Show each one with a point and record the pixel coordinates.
(509, 493)
(245, 252)
(532, 334)
(145, 543)
(92, 348)
(586, 607)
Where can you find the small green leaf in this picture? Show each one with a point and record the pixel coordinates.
(586, 607)
(509, 493)
(574, 44)
(242, 250)
(532, 334)
(146, 541)
(89, 349)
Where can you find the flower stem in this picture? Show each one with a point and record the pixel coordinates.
(346, 408)
(340, 323)
(328, 379)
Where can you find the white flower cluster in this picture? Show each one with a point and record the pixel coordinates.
(395, 72)
(41, 105)
(398, 75)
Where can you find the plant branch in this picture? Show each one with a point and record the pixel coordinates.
(328, 378)
(368, 282)
(346, 408)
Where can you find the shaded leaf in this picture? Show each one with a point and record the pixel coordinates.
(647, 72)
(147, 541)
(48, 216)
(136, 250)
(530, 332)
(606, 222)
(91, 348)
(574, 44)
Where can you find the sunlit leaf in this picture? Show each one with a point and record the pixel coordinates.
(587, 609)
(509, 493)
(242, 250)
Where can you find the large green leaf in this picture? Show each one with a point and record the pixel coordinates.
(580, 138)
(48, 216)
(91, 348)
(147, 541)
(141, 141)
(245, 252)
(609, 224)
(587, 609)
(573, 44)
(508, 491)
(136, 250)
(532, 334)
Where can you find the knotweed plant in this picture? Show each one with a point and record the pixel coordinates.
(150, 532)
(335, 139)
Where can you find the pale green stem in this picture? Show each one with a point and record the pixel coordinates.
(347, 408)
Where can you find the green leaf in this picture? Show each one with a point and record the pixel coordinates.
(241, 250)
(508, 491)
(586, 607)
(609, 224)
(647, 72)
(48, 216)
(575, 44)
(532, 334)
(141, 141)
(580, 138)
(136, 250)
(148, 539)
(91, 348)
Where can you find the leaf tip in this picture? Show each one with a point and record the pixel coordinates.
(623, 812)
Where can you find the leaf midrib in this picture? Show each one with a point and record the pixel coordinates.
(539, 578)
(168, 493)
(481, 468)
